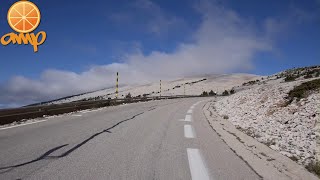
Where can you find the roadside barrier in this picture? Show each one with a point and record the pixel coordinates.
(8, 116)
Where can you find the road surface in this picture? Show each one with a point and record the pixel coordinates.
(167, 139)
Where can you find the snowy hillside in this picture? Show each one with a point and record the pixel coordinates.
(193, 86)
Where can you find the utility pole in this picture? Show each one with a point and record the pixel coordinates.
(184, 87)
(160, 88)
(117, 85)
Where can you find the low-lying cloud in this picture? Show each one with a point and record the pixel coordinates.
(224, 42)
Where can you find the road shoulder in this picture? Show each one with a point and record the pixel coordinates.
(264, 161)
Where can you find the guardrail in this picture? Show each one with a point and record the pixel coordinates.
(8, 116)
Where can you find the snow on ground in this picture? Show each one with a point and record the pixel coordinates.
(194, 86)
(260, 111)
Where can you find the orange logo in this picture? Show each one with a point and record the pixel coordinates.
(24, 17)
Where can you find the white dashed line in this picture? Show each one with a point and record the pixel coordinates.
(23, 124)
(188, 118)
(189, 111)
(197, 167)
(188, 131)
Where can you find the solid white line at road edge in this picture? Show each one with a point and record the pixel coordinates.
(22, 124)
(197, 167)
(188, 131)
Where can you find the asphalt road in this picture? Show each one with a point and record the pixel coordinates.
(168, 139)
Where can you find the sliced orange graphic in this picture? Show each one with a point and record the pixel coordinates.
(24, 16)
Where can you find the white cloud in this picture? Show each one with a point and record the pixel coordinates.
(223, 42)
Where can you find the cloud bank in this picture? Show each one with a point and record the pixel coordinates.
(223, 42)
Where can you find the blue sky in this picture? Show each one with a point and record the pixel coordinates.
(87, 41)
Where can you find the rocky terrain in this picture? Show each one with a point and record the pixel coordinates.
(279, 111)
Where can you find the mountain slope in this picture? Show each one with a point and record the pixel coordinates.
(193, 86)
(281, 111)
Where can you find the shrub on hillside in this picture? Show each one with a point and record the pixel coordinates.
(290, 78)
(225, 117)
(204, 93)
(302, 90)
(250, 83)
(314, 167)
(128, 96)
(225, 93)
(211, 93)
(308, 76)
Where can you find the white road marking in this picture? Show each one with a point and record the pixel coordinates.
(188, 118)
(189, 111)
(197, 167)
(89, 111)
(77, 115)
(50, 117)
(195, 104)
(22, 124)
(188, 131)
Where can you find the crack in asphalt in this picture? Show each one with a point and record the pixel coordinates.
(47, 156)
